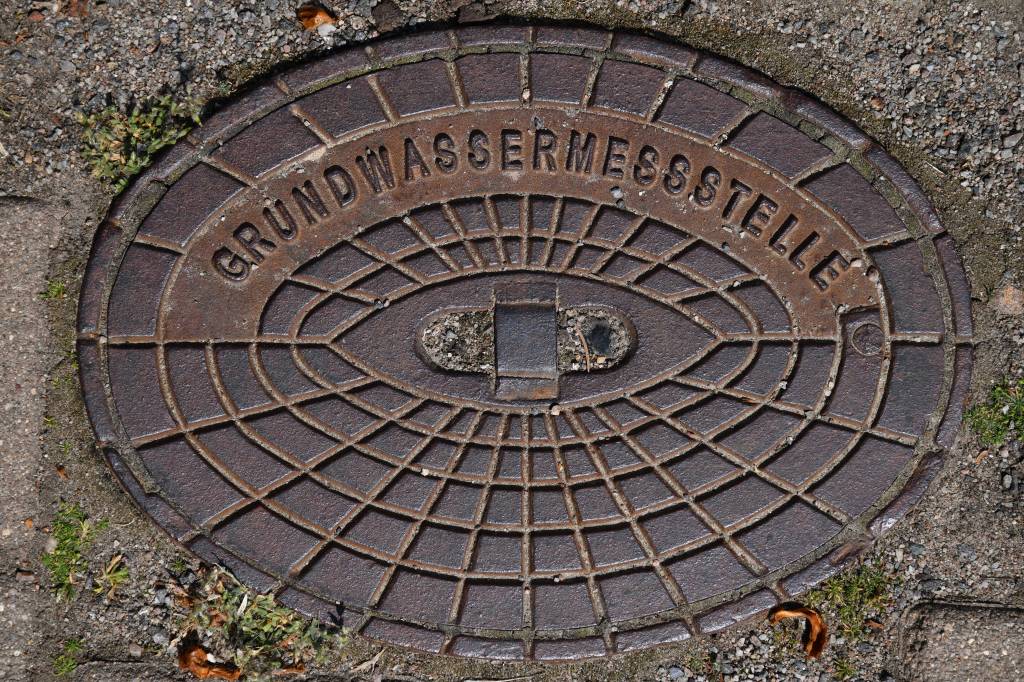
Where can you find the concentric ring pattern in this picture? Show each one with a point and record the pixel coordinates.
(247, 341)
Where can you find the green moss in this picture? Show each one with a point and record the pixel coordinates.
(179, 565)
(851, 599)
(118, 145)
(843, 668)
(1003, 411)
(66, 662)
(74, 532)
(55, 290)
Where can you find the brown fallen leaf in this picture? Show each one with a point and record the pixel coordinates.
(296, 669)
(216, 618)
(312, 15)
(815, 635)
(62, 472)
(181, 596)
(369, 664)
(77, 8)
(192, 658)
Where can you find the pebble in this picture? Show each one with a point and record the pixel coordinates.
(135, 650)
(1009, 300)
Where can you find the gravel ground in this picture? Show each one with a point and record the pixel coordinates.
(940, 84)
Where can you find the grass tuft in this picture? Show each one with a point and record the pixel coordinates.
(74, 532)
(67, 661)
(112, 576)
(853, 599)
(1003, 411)
(118, 145)
(844, 669)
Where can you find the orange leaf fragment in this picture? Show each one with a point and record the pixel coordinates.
(312, 15)
(193, 659)
(296, 669)
(815, 635)
(62, 472)
(216, 618)
(77, 8)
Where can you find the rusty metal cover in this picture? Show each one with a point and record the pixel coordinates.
(525, 341)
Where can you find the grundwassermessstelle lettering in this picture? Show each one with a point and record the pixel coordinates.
(379, 169)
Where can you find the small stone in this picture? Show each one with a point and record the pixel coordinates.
(1009, 300)
(675, 673)
(160, 637)
(1007, 481)
(1011, 141)
(135, 650)
(966, 552)
(916, 549)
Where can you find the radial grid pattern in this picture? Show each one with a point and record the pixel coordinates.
(306, 445)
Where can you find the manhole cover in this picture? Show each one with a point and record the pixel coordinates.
(525, 342)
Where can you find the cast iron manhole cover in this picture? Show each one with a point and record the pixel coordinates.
(525, 342)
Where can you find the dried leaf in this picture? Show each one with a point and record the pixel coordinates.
(193, 659)
(296, 669)
(815, 631)
(62, 472)
(77, 8)
(368, 665)
(184, 601)
(313, 15)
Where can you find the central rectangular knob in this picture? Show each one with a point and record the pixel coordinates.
(526, 341)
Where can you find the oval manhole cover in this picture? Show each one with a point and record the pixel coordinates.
(532, 342)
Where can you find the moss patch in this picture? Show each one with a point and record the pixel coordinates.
(1003, 412)
(67, 564)
(852, 600)
(55, 290)
(67, 661)
(118, 145)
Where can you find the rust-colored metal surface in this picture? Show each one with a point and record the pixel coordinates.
(800, 349)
